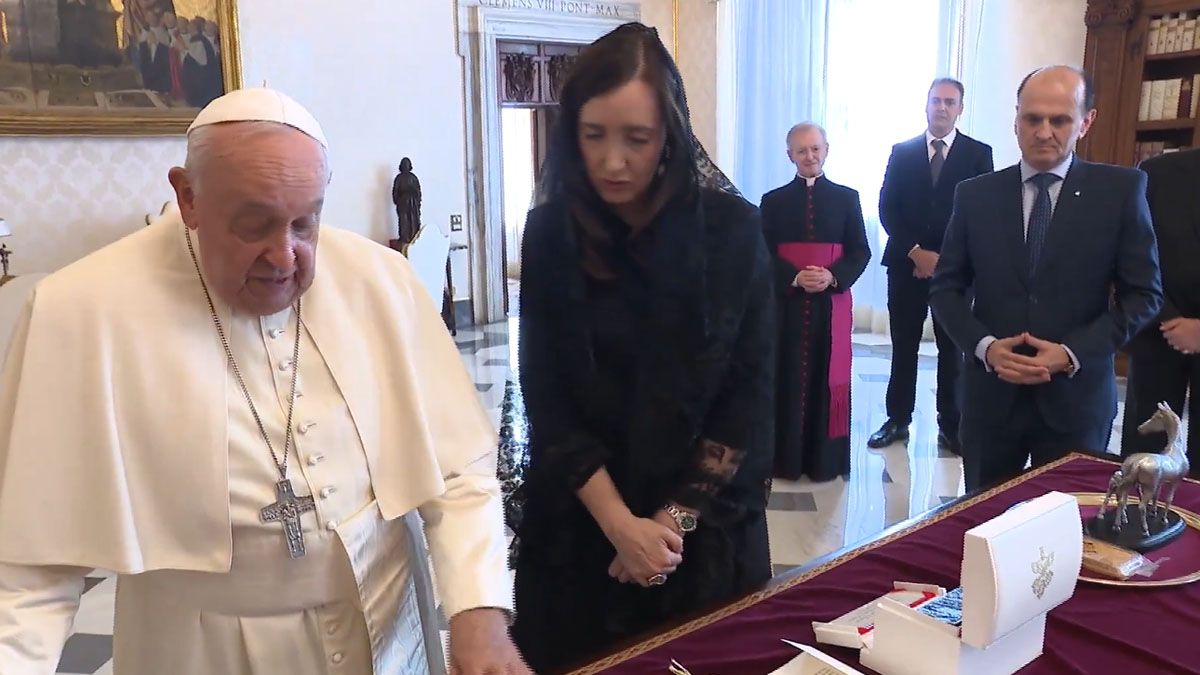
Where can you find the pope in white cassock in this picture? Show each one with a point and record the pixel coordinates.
(242, 429)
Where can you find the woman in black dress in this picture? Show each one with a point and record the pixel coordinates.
(647, 351)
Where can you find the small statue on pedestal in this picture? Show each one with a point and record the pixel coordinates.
(406, 195)
(1155, 475)
(4, 253)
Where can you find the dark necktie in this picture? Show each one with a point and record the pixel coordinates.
(1039, 218)
(938, 159)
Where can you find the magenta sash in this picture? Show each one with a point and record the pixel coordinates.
(801, 255)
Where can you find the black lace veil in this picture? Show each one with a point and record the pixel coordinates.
(561, 177)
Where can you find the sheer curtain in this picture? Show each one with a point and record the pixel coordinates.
(861, 68)
(779, 67)
(881, 57)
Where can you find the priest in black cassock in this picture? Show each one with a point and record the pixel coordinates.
(814, 229)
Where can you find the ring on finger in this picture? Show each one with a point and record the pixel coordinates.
(657, 580)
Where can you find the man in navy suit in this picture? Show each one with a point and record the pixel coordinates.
(914, 206)
(1043, 246)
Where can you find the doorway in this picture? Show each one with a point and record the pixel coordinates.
(532, 74)
(484, 26)
(525, 138)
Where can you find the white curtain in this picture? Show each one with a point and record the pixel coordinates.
(862, 69)
(882, 55)
(779, 52)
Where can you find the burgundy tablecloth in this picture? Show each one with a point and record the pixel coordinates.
(1102, 630)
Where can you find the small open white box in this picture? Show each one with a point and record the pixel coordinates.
(1016, 568)
(851, 630)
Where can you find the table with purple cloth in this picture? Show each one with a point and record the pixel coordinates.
(1102, 630)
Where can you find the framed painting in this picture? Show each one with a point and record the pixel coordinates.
(113, 67)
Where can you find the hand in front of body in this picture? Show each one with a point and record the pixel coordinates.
(1049, 359)
(645, 547)
(480, 645)
(1012, 367)
(924, 262)
(1182, 334)
(1050, 355)
(813, 279)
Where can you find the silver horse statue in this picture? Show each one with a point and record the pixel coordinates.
(1150, 472)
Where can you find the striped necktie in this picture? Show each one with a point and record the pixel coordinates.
(938, 159)
(1039, 218)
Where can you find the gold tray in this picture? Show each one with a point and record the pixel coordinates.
(1191, 519)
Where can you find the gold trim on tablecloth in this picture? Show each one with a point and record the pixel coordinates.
(749, 601)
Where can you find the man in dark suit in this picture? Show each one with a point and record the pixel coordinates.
(914, 206)
(1165, 356)
(1040, 245)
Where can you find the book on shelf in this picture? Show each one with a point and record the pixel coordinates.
(1195, 94)
(1154, 37)
(1158, 95)
(1172, 99)
(1173, 33)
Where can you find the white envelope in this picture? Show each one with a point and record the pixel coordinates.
(813, 662)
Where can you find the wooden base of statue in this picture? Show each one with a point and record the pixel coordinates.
(1130, 535)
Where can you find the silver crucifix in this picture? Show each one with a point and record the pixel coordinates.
(287, 509)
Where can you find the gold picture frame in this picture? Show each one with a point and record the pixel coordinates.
(165, 108)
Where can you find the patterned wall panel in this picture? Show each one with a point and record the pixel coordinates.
(697, 56)
(65, 198)
(697, 53)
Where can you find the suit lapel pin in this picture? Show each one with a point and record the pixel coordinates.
(1077, 193)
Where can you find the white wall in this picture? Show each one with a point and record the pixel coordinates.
(383, 89)
(1006, 39)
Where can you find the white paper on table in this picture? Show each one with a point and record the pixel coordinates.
(813, 662)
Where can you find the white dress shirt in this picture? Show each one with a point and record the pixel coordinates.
(948, 138)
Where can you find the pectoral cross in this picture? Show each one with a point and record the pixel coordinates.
(287, 509)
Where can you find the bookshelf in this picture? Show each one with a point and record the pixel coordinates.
(1145, 58)
(1129, 43)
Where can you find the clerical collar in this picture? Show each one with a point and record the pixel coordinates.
(810, 181)
(277, 321)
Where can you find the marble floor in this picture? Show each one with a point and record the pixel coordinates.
(806, 520)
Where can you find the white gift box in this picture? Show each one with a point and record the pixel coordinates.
(1016, 568)
(851, 629)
